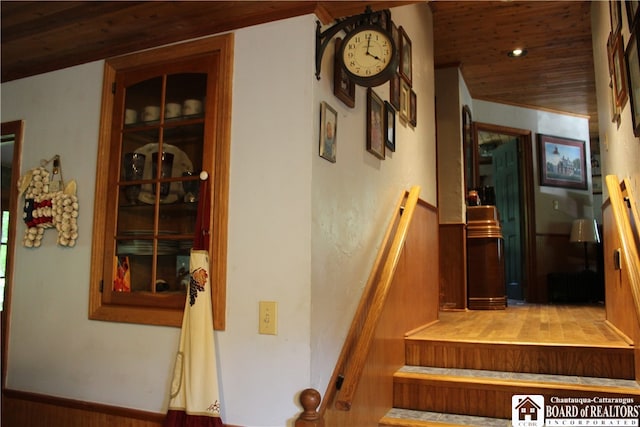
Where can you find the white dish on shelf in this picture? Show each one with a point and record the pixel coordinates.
(181, 163)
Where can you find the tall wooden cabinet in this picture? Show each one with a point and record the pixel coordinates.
(164, 121)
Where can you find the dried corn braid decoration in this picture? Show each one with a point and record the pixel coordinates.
(47, 204)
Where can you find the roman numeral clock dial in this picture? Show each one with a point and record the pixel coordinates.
(369, 55)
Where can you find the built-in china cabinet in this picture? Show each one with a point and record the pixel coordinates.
(165, 118)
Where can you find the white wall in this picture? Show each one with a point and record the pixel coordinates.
(619, 148)
(572, 203)
(302, 231)
(353, 198)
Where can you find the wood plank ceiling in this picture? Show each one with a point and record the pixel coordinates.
(556, 74)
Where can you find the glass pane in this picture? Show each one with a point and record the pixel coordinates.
(186, 143)
(143, 101)
(169, 277)
(185, 95)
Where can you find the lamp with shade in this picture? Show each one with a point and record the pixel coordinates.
(585, 231)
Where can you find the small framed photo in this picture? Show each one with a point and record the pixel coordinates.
(619, 79)
(595, 164)
(615, 13)
(632, 61)
(413, 108)
(390, 126)
(343, 88)
(328, 131)
(375, 125)
(395, 34)
(596, 184)
(405, 57)
(394, 91)
(632, 12)
(562, 162)
(405, 102)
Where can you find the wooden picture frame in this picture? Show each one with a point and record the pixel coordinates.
(395, 35)
(343, 88)
(406, 62)
(468, 148)
(615, 110)
(390, 126)
(615, 14)
(632, 7)
(619, 78)
(405, 102)
(375, 125)
(632, 61)
(328, 132)
(562, 162)
(394, 91)
(413, 108)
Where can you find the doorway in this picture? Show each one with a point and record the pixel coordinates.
(504, 175)
(10, 151)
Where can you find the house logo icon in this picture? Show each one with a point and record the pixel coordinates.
(527, 410)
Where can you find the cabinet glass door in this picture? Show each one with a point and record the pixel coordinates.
(161, 132)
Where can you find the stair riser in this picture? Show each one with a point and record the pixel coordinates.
(486, 400)
(541, 359)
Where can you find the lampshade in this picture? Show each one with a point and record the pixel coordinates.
(585, 230)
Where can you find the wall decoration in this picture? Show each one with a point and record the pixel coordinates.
(468, 148)
(394, 91)
(405, 57)
(562, 162)
(413, 108)
(343, 88)
(615, 109)
(375, 125)
(384, 19)
(632, 12)
(595, 164)
(395, 34)
(615, 14)
(405, 100)
(390, 126)
(328, 132)
(597, 184)
(619, 79)
(633, 73)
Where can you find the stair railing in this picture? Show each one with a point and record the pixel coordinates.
(351, 361)
(627, 223)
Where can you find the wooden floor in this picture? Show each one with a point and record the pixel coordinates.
(527, 323)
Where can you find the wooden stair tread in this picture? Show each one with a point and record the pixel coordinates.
(499, 378)
(409, 418)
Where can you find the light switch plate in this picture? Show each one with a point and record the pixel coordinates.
(268, 318)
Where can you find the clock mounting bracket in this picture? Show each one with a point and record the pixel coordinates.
(323, 38)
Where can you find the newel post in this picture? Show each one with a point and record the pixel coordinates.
(310, 400)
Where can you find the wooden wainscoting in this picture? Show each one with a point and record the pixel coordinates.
(453, 266)
(22, 409)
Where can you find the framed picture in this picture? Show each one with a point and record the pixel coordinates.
(375, 124)
(615, 109)
(562, 162)
(619, 79)
(394, 91)
(405, 102)
(328, 132)
(390, 126)
(468, 148)
(633, 74)
(405, 56)
(343, 88)
(632, 12)
(595, 164)
(385, 19)
(596, 184)
(413, 108)
(615, 13)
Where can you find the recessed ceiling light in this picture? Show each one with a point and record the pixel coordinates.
(516, 53)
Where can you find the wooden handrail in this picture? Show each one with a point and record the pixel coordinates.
(352, 357)
(368, 313)
(624, 212)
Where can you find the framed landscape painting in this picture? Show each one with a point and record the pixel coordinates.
(562, 162)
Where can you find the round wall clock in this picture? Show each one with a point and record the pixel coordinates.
(369, 55)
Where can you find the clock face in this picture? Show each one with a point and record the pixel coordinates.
(369, 55)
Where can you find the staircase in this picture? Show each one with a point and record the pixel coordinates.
(462, 382)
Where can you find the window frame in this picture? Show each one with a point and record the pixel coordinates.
(219, 150)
